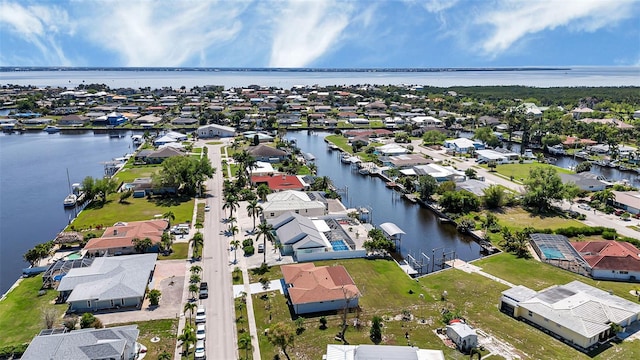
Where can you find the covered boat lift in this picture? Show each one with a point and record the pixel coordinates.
(393, 232)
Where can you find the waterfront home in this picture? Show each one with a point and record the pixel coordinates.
(262, 136)
(215, 130)
(73, 120)
(610, 260)
(118, 342)
(118, 239)
(184, 121)
(585, 181)
(439, 172)
(312, 289)
(404, 161)
(426, 121)
(298, 234)
(610, 121)
(391, 149)
(485, 156)
(261, 168)
(576, 312)
(268, 154)
(370, 352)
(282, 202)
(627, 200)
(149, 156)
(110, 282)
(463, 145)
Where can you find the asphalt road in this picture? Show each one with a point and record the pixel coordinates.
(221, 334)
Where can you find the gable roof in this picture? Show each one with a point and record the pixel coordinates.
(264, 150)
(122, 235)
(108, 278)
(109, 343)
(279, 182)
(609, 255)
(308, 283)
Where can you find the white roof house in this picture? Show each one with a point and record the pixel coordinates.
(378, 352)
(215, 130)
(261, 168)
(298, 233)
(391, 149)
(299, 202)
(426, 121)
(460, 144)
(439, 172)
(579, 313)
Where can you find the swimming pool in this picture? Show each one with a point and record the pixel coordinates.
(339, 245)
(74, 256)
(551, 253)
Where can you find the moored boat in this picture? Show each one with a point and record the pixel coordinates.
(70, 200)
(51, 129)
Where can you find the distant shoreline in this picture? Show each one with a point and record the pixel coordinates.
(302, 70)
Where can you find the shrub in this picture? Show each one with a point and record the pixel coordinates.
(6, 352)
(609, 235)
(247, 242)
(248, 250)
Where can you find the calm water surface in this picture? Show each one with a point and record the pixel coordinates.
(33, 173)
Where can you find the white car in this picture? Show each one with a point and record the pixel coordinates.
(584, 207)
(207, 208)
(199, 354)
(201, 315)
(201, 332)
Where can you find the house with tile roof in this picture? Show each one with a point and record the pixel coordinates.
(610, 260)
(579, 314)
(118, 342)
(280, 182)
(118, 239)
(313, 289)
(110, 282)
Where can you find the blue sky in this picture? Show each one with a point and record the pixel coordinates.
(320, 33)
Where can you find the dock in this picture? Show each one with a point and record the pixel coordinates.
(408, 269)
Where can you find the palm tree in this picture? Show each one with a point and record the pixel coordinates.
(196, 269)
(188, 338)
(166, 241)
(170, 216)
(193, 290)
(142, 245)
(313, 168)
(604, 196)
(266, 231)
(197, 242)
(164, 356)
(262, 191)
(235, 243)
(231, 203)
(233, 229)
(244, 343)
(191, 308)
(253, 210)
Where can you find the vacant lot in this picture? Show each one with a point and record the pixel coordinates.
(517, 218)
(521, 171)
(128, 174)
(166, 330)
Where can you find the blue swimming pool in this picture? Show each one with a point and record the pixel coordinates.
(339, 245)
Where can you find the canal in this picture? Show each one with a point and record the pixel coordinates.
(424, 234)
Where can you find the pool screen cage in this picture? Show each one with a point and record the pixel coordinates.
(557, 251)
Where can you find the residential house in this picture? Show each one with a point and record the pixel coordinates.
(110, 282)
(610, 121)
(581, 112)
(215, 130)
(375, 352)
(293, 201)
(610, 260)
(576, 312)
(298, 234)
(485, 156)
(268, 154)
(158, 156)
(627, 200)
(313, 289)
(280, 182)
(119, 342)
(118, 239)
(261, 168)
(463, 335)
(404, 161)
(391, 150)
(73, 120)
(426, 121)
(148, 119)
(184, 121)
(585, 181)
(439, 172)
(463, 145)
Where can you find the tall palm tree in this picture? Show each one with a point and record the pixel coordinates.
(170, 216)
(193, 290)
(235, 243)
(197, 242)
(191, 308)
(244, 343)
(188, 338)
(266, 231)
(231, 203)
(166, 241)
(233, 229)
(262, 191)
(253, 210)
(195, 269)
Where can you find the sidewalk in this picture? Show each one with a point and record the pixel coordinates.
(469, 268)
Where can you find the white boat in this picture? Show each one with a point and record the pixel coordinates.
(70, 200)
(51, 129)
(557, 150)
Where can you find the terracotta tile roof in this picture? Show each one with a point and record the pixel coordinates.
(279, 182)
(121, 235)
(609, 255)
(308, 284)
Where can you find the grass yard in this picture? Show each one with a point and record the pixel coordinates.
(21, 312)
(165, 329)
(242, 326)
(388, 292)
(180, 252)
(340, 141)
(128, 174)
(134, 209)
(517, 218)
(214, 143)
(521, 171)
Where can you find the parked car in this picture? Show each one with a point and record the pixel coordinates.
(584, 207)
(200, 354)
(619, 212)
(201, 315)
(204, 290)
(260, 248)
(201, 332)
(180, 229)
(207, 208)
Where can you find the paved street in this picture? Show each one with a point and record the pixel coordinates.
(221, 334)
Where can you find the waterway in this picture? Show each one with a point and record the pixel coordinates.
(424, 233)
(33, 169)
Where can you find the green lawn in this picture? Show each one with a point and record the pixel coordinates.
(180, 251)
(165, 329)
(135, 209)
(242, 326)
(386, 292)
(21, 312)
(340, 141)
(517, 218)
(129, 174)
(521, 171)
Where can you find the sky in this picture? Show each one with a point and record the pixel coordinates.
(320, 33)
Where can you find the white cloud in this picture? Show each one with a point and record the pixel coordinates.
(305, 30)
(160, 33)
(514, 20)
(436, 6)
(38, 25)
